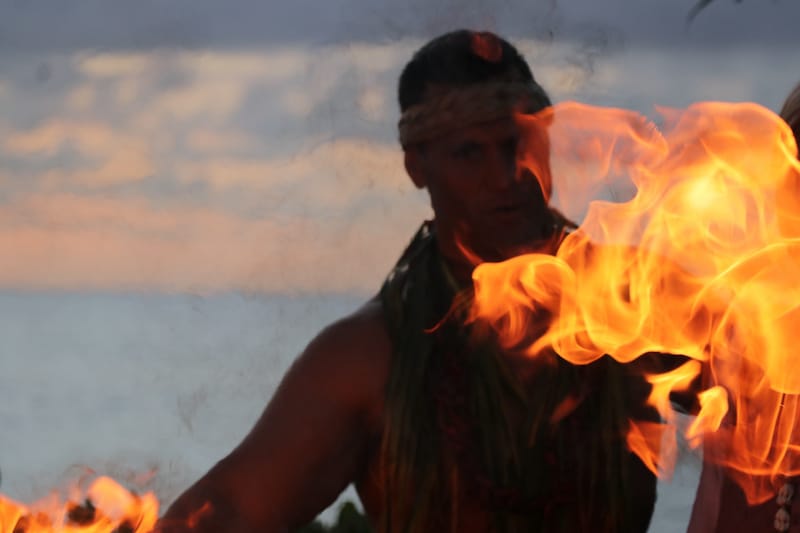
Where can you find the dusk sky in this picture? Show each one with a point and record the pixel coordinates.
(191, 145)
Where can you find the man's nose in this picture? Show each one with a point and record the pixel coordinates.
(507, 169)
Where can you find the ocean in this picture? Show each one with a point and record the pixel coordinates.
(131, 383)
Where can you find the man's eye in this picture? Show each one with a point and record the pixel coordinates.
(467, 151)
(511, 147)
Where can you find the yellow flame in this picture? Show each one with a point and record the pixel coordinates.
(695, 251)
(113, 508)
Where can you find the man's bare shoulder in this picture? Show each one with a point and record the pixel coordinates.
(352, 355)
(315, 436)
(360, 337)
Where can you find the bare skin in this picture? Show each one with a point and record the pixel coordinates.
(322, 429)
(319, 433)
(484, 199)
(721, 505)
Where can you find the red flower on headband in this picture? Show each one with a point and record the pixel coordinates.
(487, 46)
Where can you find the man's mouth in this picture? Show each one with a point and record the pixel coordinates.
(509, 209)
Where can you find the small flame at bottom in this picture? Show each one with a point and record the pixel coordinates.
(105, 507)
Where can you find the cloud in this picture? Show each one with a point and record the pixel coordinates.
(90, 138)
(104, 155)
(81, 98)
(106, 65)
(271, 169)
(72, 242)
(205, 140)
(349, 164)
(279, 65)
(210, 118)
(217, 100)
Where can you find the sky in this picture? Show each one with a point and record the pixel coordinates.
(199, 146)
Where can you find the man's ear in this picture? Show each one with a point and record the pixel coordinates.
(414, 167)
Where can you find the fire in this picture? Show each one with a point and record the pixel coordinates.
(690, 245)
(105, 507)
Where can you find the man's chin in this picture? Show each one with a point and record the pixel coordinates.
(502, 251)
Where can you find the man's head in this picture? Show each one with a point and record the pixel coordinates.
(791, 112)
(459, 97)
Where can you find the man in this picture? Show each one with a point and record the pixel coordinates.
(790, 112)
(437, 428)
(720, 504)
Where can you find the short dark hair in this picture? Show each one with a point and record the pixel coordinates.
(459, 58)
(791, 113)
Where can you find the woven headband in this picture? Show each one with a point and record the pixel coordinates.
(453, 108)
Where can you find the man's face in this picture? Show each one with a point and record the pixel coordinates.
(482, 193)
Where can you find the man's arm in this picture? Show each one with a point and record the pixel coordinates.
(309, 444)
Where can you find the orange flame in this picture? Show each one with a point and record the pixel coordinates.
(690, 244)
(105, 507)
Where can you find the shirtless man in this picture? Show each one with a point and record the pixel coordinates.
(437, 429)
(720, 505)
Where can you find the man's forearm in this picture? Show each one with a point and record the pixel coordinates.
(204, 508)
